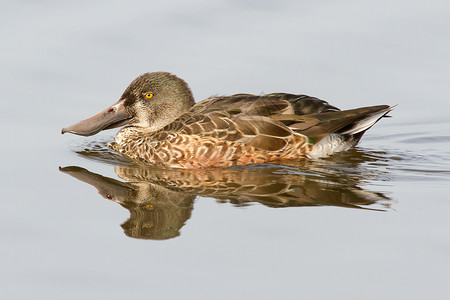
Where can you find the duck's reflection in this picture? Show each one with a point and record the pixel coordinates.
(160, 201)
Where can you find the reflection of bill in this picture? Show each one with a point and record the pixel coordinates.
(160, 201)
(155, 212)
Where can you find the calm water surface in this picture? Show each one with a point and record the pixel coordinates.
(79, 222)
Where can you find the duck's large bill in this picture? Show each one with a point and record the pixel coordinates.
(112, 117)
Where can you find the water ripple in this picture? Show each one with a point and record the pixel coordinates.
(421, 161)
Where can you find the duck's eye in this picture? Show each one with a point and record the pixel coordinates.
(148, 95)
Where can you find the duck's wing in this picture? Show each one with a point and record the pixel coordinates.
(271, 121)
(348, 122)
(265, 105)
(258, 131)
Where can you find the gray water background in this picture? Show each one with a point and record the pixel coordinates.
(64, 61)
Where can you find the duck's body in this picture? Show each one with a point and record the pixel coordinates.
(168, 128)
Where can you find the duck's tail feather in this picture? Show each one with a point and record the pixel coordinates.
(348, 136)
(363, 124)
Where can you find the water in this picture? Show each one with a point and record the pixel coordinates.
(79, 222)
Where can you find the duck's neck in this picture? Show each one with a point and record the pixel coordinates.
(156, 120)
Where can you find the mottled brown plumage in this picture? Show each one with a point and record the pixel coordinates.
(166, 128)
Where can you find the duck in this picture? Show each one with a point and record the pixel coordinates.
(164, 126)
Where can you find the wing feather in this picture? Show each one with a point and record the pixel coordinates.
(267, 122)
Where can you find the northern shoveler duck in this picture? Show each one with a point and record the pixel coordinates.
(166, 127)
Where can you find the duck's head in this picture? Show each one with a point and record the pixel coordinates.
(152, 100)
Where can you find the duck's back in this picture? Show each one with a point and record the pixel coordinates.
(264, 105)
